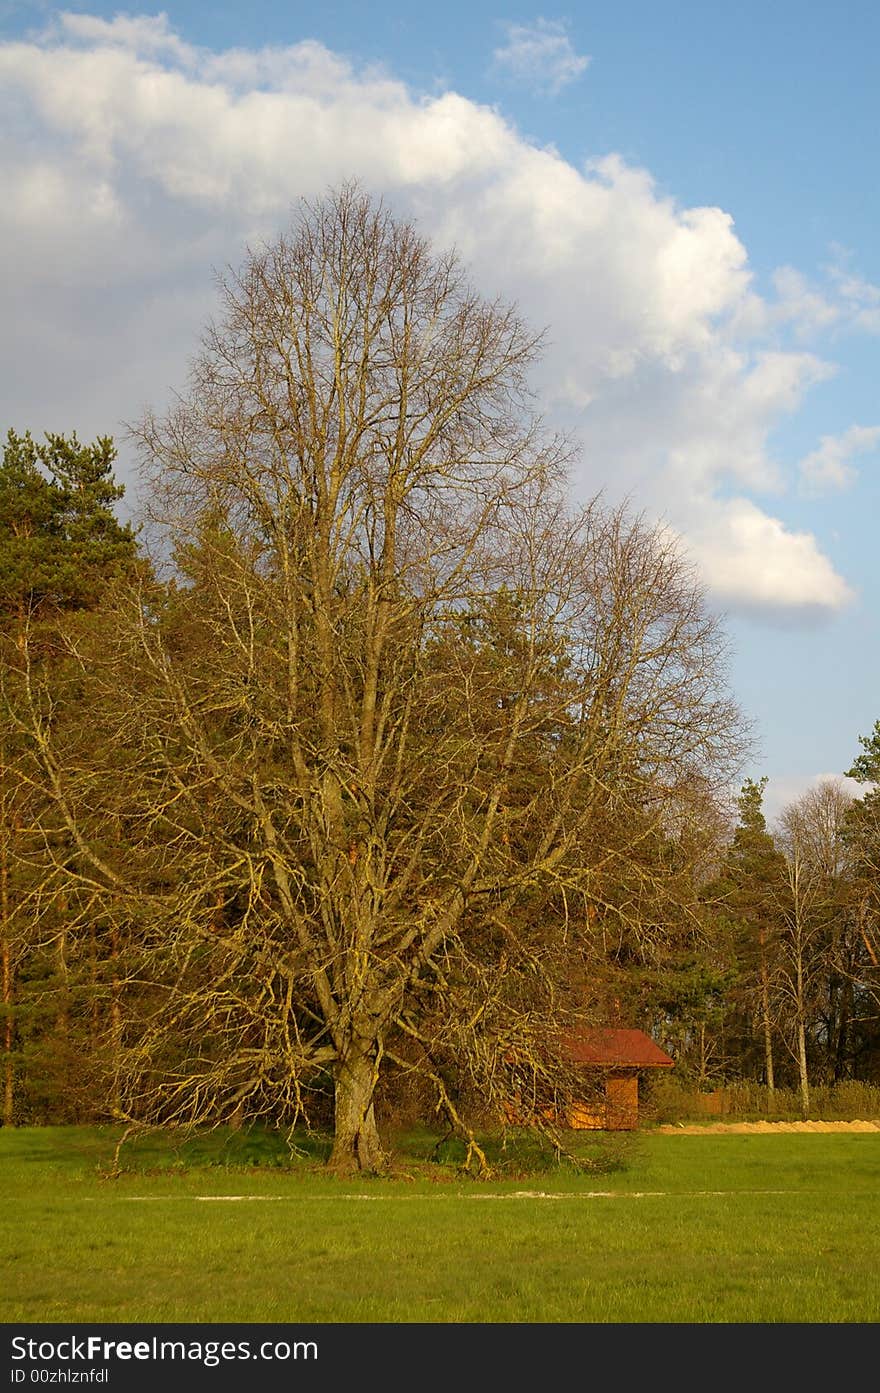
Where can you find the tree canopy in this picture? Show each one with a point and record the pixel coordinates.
(390, 765)
(399, 734)
(59, 536)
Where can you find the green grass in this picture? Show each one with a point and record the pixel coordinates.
(729, 1228)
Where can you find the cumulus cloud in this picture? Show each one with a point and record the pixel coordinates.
(149, 34)
(134, 163)
(540, 55)
(829, 467)
(787, 571)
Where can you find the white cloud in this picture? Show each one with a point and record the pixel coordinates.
(808, 309)
(149, 34)
(860, 297)
(829, 467)
(136, 162)
(801, 304)
(540, 55)
(785, 570)
(788, 788)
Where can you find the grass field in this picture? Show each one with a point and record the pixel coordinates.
(706, 1228)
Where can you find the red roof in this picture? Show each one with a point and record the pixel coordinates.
(631, 1049)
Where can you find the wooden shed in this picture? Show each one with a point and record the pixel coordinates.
(621, 1056)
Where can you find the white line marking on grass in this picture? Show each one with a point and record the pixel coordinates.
(228, 1199)
(512, 1195)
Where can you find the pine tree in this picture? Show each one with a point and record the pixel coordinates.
(61, 545)
(747, 898)
(862, 836)
(60, 540)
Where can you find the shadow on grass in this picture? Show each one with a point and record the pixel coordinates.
(514, 1153)
(249, 1148)
(417, 1152)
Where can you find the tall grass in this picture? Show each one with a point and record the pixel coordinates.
(668, 1100)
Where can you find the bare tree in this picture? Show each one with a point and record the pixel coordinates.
(399, 712)
(812, 838)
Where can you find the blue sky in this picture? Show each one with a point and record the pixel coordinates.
(685, 195)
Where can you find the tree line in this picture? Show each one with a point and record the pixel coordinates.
(794, 968)
(368, 767)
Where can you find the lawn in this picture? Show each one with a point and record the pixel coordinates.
(713, 1228)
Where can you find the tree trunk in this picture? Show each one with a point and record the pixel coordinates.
(768, 1034)
(704, 1055)
(8, 1027)
(842, 1037)
(8, 1036)
(802, 1037)
(803, 1076)
(116, 1022)
(356, 1144)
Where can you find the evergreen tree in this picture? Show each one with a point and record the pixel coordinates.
(862, 837)
(61, 546)
(747, 900)
(60, 540)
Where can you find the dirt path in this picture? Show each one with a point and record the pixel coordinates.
(698, 1127)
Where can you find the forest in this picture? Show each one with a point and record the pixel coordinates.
(364, 766)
